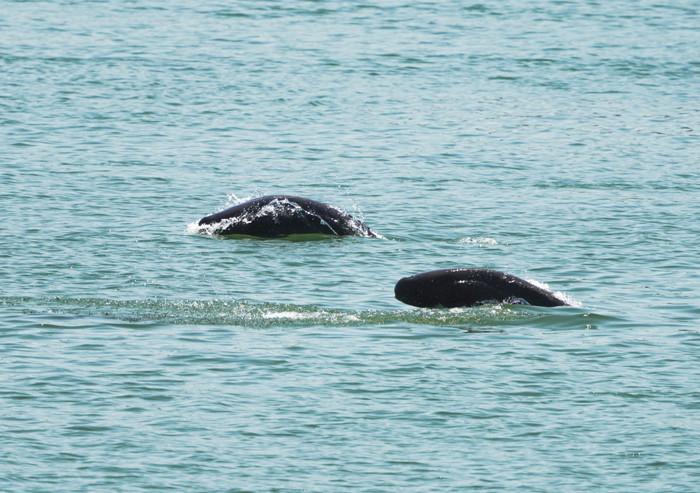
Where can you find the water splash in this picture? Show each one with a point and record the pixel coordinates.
(566, 298)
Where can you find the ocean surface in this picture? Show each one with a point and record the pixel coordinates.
(555, 140)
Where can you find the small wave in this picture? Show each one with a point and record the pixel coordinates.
(482, 241)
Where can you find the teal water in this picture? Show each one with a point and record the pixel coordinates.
(558, 141)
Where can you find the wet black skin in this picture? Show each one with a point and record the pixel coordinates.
(292, 216)
(450, 288)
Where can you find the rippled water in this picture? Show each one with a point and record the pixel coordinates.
(558, 141)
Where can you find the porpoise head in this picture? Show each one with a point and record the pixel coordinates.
(415, 291)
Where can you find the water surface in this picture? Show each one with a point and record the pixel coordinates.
(558, 141)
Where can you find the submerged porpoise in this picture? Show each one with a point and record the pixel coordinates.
(275, 216)
(451, 288)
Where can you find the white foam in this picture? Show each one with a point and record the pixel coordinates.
(193, 228)
(288, 315)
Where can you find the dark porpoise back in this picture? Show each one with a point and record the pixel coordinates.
(274, 216)
(451, 288)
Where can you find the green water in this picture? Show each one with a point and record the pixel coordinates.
(558, 141)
